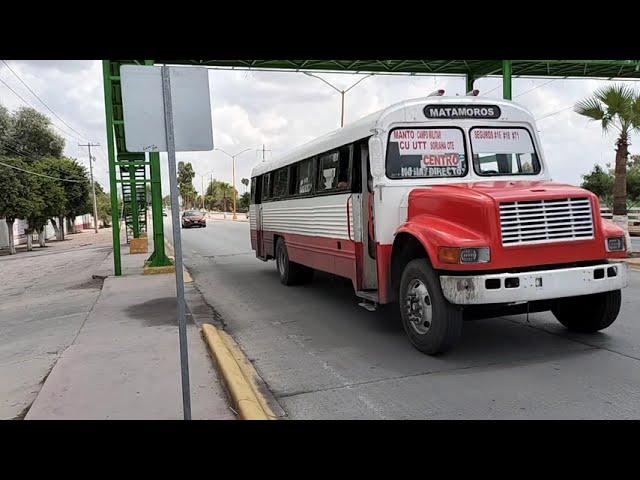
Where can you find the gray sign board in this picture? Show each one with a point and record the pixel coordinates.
(143, 108)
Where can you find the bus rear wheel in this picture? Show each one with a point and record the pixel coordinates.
(291, 273)
(432, 324)
(588, 313)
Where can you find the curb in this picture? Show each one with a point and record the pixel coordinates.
(239, 376)
(185, 272)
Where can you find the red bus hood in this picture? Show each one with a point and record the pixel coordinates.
(502, 191)
(468, 214)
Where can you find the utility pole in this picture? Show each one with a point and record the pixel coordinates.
(93, 186)
(264, 150)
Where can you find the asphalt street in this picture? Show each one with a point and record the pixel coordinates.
(324, 357)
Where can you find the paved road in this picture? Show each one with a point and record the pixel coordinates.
(325, 357)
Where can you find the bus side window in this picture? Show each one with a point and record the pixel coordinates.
(280, 182)
(294, 171)
(256, 183)
(266, 186)
(345, 167)
(303, 177)
(334, 170)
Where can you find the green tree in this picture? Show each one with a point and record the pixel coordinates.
(633, 178)
(16, 193)
(6, 127)
(616, 107)
(185, 184)
(598, 181)
(77, 193)
(243, 203)
(104, 205)
(31, 135)
(225, 196)
(245, 182)
(52, 195)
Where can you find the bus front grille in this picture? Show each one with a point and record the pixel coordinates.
(544, 221)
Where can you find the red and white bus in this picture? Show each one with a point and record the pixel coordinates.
(446, 206)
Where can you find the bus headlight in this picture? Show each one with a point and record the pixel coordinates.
(464, 255)
(615, 244)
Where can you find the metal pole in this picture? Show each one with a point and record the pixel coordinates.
(159, 257)
(93, 186)
(93, 190)
(470, 79)
(233, 192)
(342, 111)
(506, 79)
(113, 185)
(177, 241)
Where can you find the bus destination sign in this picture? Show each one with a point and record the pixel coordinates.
(462, 111)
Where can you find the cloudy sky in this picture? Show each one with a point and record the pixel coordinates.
(282, 110)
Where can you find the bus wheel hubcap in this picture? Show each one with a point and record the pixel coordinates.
(418, 306)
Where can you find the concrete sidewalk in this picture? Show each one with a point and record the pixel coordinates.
(125, 362)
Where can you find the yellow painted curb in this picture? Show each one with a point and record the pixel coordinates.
(147, 270)
(239, 379)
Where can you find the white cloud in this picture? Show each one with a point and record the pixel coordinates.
(282, 110)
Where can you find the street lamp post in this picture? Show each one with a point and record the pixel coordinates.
(202, 177)
(341, 92)
(233, 159)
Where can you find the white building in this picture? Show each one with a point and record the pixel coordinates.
(82, 222)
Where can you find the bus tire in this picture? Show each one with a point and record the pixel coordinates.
(291, 273)
(432, 324)
(588, 313)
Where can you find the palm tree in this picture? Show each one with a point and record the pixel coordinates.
(616, 107)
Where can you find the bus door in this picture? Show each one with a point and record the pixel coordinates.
(260, 250)
(363, 216)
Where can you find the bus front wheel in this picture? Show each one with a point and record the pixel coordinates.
(291, 273)
(432, 324)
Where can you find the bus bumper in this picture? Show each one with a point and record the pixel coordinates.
(531, 286)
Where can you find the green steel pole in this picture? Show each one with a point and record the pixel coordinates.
(506, 79)
(159, 257)
(135, 218)
(469, 81)
(113, 193)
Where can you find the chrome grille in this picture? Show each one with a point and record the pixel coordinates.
(543, 221)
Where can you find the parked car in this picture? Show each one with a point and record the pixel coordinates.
(193, 218)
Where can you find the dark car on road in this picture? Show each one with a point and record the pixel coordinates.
(193, 218)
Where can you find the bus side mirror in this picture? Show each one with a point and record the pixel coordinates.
(376, 157)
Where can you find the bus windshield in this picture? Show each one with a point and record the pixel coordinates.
(426, 152)
(503, 151)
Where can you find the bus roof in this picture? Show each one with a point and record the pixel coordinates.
(365, 126)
